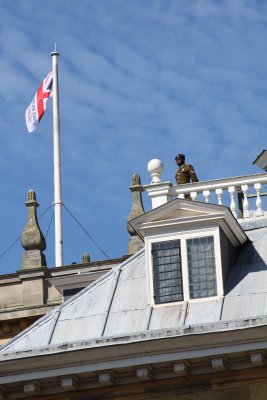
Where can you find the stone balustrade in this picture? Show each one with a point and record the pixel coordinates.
(242, 194)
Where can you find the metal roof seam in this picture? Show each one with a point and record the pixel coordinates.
(110, 303)
(149, 318)
(55, 324)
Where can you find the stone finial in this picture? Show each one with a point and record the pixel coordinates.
(85, 258)
(135, 243)
(136, 180)
(32, 239)
(155, 168)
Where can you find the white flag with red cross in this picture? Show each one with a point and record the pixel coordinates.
(36, 109)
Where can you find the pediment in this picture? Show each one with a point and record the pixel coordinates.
(179, 209)
(183, 212)
(180, 213)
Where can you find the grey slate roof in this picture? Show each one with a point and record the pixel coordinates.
(117, 304)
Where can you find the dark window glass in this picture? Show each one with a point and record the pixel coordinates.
(201, 267)
(67, 293)
(167, 271)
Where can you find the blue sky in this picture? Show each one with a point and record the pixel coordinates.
(138, 80)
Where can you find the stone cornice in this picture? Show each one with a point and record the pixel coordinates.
(166, 358)
(159, 346)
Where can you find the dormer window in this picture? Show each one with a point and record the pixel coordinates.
(189, 248)
(183, 269)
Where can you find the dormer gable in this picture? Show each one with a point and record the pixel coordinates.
(189, 248)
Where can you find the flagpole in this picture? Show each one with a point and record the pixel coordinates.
(57, 167)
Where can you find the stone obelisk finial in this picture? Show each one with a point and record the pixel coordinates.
(135, 243)
(32, 238)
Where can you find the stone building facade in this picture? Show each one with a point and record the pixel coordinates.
(185, 317)
(34, 290)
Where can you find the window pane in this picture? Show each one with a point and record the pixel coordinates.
(167, 271)
(201, 267)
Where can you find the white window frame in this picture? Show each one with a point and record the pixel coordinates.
(183, 236)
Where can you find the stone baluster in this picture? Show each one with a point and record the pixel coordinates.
(206, 194)
(219, 193)
(246, 211)
(181, 196)
(193, 195)
(231, 190)
(259, 211)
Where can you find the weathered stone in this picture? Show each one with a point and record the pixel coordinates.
(144, 374)
(106, 379)
(257, 359)
(219, 364)
(33, 259)
(85, 258)
(32, 238)
(69, 383)
(135, 243)
(180, 369)
(31, 389)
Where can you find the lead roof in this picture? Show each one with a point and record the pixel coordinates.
(117, 307)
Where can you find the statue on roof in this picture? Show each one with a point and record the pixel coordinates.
(186, 172)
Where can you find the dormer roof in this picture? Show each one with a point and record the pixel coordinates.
(180, 214)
